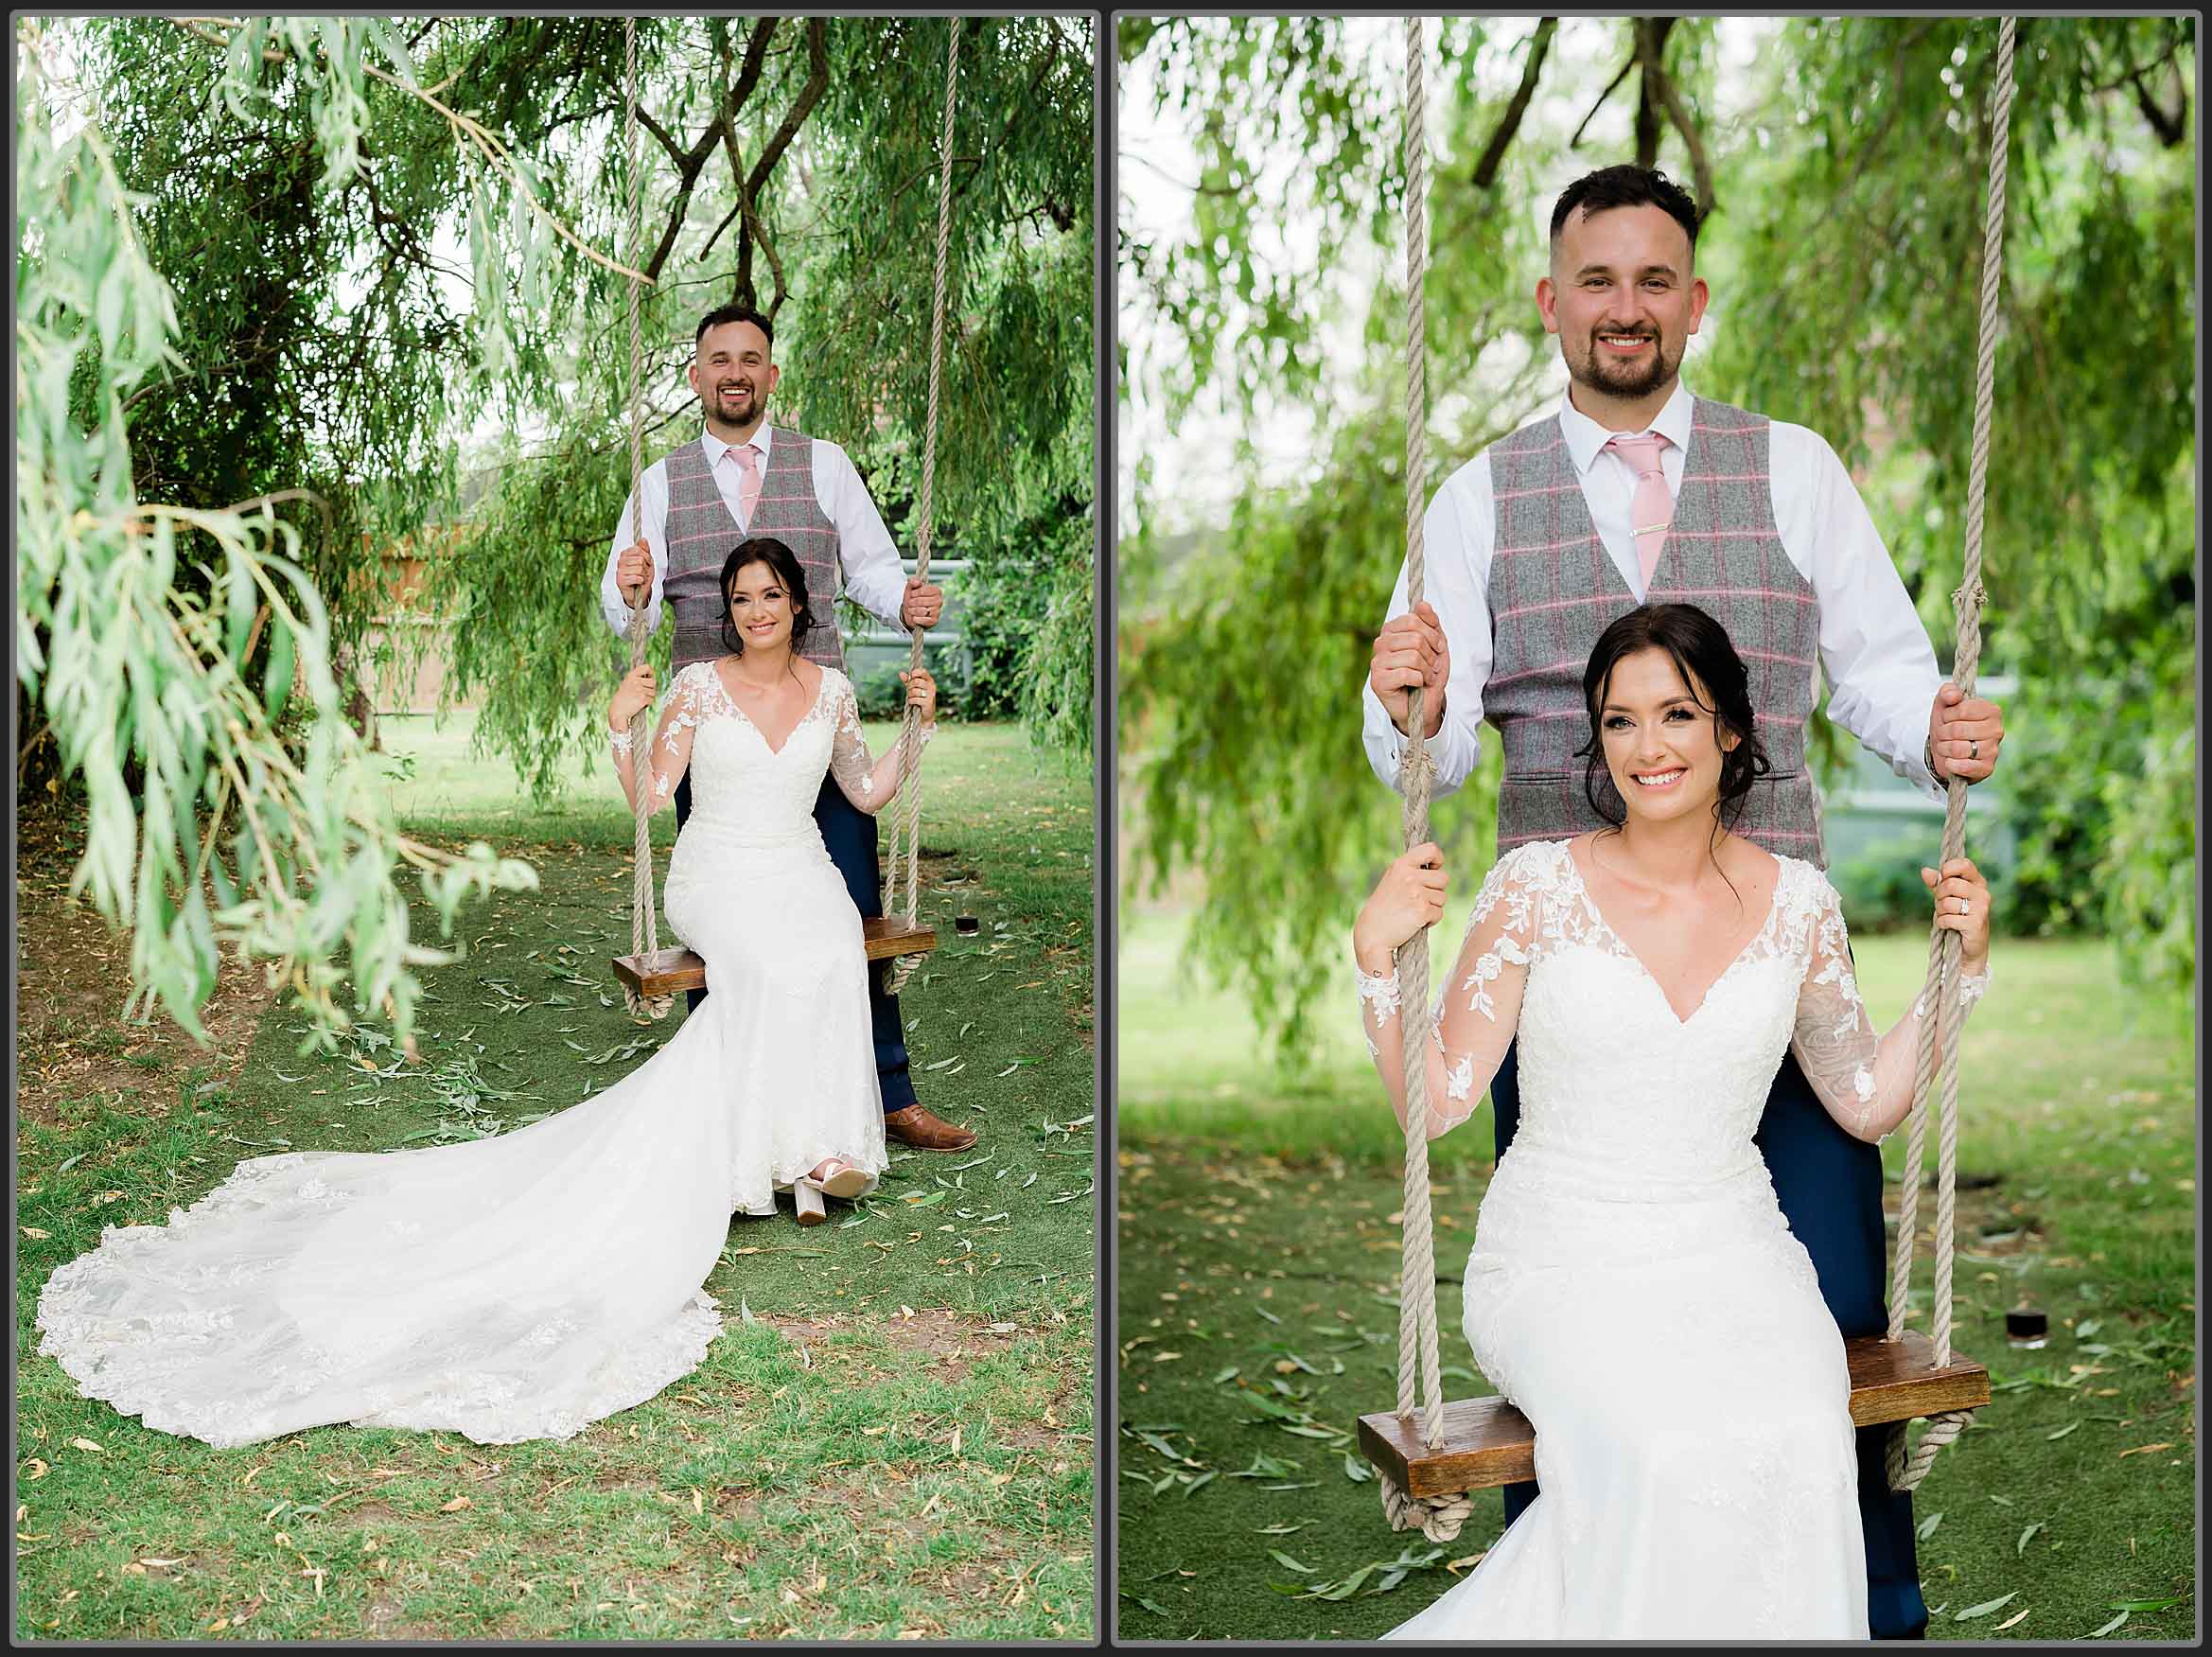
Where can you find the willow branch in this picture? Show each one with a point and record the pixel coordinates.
(1508, 124)
(817, 82)
(1611, 86)
(495, 153)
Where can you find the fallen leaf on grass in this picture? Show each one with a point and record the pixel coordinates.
(2108, 1627)
(1972, 1611)
(1289, 1564)
(2051, 1438)
(88, 1444)
(1927, 1526)
(2009, 1621)
(2021, 1547)
(2146, 1449)
(455, 1504)
(2145, 1604)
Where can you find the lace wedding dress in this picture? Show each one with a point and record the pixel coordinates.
(521, 1286)
(1633, 1287)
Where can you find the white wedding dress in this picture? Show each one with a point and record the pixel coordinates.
(522, 1286)
(1633, 1287)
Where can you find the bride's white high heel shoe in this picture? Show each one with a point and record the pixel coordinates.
(844, 1182)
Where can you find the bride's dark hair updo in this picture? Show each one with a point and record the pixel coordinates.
(1702, 653)
(766, 549)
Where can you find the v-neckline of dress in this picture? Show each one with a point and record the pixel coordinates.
(1590, 903)
(773, 747)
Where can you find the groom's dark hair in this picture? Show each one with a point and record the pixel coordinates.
(1706, 658)
(727, 313)
(766, 549)
(1627, 186)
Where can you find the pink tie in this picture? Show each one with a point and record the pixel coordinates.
(748, 488)
(1653, 508)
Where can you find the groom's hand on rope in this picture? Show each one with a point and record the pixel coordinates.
(1964, 733)
(924, 602)
(633, 573)
(1410, 651)
(1409, 897)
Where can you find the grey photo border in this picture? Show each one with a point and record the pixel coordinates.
(1109, 171)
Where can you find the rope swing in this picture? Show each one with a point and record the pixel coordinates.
(1420, 1377)
(644, 1001)
(907, 824)
(650, 975)
(1941, 996)
(1427, 1466)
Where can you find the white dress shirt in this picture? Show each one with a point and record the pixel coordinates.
(866, 556)
(1880, 666)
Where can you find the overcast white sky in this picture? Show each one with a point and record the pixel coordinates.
(1157, 165)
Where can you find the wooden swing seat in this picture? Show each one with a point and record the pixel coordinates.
(670, 972)
(1486, 1441)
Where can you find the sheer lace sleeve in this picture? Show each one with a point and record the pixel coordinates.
(1862, 1079)
(1478, 1002)
(669, 754)
(868, 784)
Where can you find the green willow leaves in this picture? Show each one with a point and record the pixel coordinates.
(287, 275)
(165, 645)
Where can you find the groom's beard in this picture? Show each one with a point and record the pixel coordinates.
(736, 405)
(1604, 373)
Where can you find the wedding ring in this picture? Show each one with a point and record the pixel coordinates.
(1965, 908)
(1974, 750)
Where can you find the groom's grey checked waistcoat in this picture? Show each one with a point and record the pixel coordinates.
(702, 531)
(1554, 590)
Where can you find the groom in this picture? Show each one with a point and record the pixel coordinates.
(1634, 490)
(742, 477)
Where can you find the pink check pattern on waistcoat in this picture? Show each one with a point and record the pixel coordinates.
(702, 531)
(1554, 588)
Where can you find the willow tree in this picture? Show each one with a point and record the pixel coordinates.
(284, 266)
(1843, 256)
(786, 163)
(792, 165)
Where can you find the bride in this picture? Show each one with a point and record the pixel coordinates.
(1633, 1286)
(522, 1286)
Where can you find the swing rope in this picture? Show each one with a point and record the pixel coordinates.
(1420, 1378)
(644, 922)
(1420, 1382)
(1940, 1002)
(906, 824)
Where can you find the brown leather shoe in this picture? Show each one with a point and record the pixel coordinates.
(916, 1127)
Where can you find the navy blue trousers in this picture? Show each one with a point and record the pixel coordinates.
(850, 835)
(1830, 1187)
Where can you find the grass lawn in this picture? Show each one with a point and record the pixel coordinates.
(1259, 1256)
(894, 1437)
